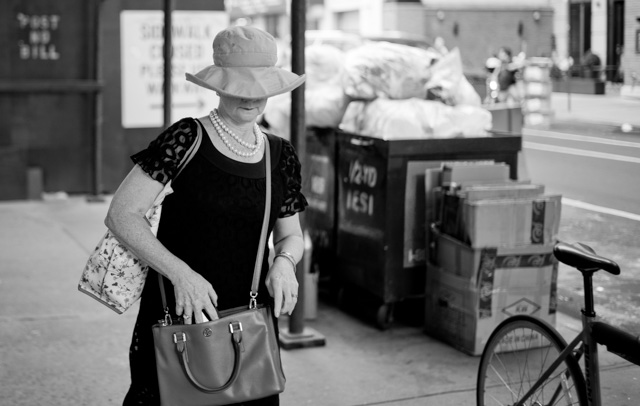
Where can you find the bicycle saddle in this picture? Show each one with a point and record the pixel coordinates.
(584, 258)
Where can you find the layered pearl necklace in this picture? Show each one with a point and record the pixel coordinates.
(221, 128)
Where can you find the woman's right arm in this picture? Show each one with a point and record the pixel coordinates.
(126, 220)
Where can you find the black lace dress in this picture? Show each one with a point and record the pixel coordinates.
(212, 221)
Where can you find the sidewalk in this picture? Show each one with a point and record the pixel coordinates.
(593, 113)
(58, 347)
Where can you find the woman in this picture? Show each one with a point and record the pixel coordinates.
(506, 76)
(210, 226)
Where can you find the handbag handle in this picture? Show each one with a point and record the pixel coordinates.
(261, 244)
(181, 346)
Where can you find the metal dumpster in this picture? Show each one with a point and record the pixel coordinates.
(380, 214)
(319, 187)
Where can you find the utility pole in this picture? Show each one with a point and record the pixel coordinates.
(297, 335)
(95, 68)
(166, 51)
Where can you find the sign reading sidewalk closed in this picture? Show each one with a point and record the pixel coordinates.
(142, 39)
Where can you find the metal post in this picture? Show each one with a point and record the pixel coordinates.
(166, 51)
(95, 66)
(297, 336)
(298, 129)
(569, 91)
(569, 56)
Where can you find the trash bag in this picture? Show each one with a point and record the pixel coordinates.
(384, 118)
(324, 107)
(387, 70)
(276, 116)
(448, 84)
(414, 119)
(325, 100)
(324, 65)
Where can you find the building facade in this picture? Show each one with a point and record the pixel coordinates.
(631, 49)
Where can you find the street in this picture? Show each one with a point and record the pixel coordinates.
(597, 177)
(598, 170)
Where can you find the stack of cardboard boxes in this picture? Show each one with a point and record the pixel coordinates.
(490, 250)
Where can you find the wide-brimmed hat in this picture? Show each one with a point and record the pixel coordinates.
(244, 60)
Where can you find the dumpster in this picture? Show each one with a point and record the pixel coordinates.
(319, 187)
(380, 236)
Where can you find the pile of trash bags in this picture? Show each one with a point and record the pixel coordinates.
(385, 90)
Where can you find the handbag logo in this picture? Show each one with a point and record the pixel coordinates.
(207, 332)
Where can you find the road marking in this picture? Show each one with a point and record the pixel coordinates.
(583, 138)
(600, 209)
(579, 152)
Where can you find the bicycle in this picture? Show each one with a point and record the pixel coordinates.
(526, 362)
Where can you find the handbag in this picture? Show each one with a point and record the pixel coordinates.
(233, 359)
(113, 275)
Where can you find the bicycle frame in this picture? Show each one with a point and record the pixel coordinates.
(586, 380)
(589, 349)
(591, 363)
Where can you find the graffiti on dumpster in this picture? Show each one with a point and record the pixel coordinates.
(37, 32)
(320, 184)
(361, 182)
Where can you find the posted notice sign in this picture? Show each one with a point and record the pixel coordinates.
(141, 47)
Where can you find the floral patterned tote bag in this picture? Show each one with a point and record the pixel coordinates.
(113, 275)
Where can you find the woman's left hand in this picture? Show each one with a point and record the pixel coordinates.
(283, 286)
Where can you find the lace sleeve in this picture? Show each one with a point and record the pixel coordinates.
(294, 200)
(163, 155)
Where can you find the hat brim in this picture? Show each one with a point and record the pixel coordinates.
(247, 82)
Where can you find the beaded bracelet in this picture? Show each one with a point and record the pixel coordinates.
(289, 257)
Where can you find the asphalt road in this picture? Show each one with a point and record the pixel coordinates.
(595, 169)
(597, 176)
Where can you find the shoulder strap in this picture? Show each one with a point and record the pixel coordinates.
(265, 224)
(257, 270)
(191, 152)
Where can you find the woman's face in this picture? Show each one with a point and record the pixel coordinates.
(241, 111)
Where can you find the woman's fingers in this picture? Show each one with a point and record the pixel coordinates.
(213, 296)
(195, 299)
(284, 290)
(290, 301)
(187, 316)
(277, 296)
(211, 311)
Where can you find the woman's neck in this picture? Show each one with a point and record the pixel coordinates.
(243, 130)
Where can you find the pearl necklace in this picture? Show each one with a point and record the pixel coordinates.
(221, 128)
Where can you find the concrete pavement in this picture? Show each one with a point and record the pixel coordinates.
(59, 347)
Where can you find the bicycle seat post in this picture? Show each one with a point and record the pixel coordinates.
(589, 307)
(591, 362)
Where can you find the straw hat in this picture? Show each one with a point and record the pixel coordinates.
(244, 60)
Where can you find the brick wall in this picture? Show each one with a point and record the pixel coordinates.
(478, 33)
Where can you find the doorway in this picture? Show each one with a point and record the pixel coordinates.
(615, 40)
(579, 29)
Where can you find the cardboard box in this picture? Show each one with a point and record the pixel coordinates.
(464, 314)
(468, 173)
(511, 190)
(448, 202)
(511, 222)
(464, 261)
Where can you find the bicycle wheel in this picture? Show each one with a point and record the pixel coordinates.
(518, 352)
